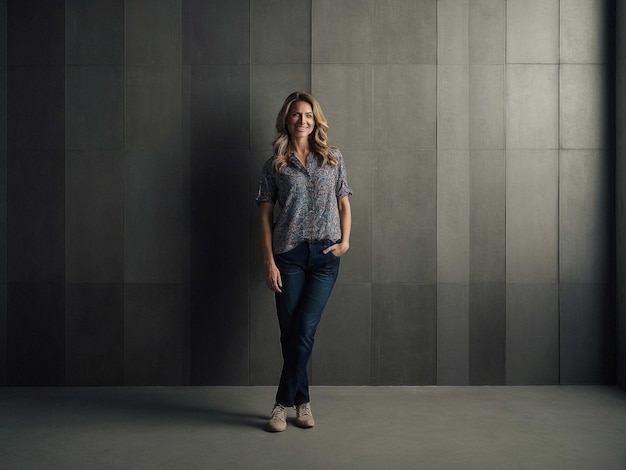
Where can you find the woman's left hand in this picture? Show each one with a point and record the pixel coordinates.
(338, 249)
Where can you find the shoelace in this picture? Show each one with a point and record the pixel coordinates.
(304, 410)
(277, 411)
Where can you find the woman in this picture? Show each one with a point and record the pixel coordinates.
(301, 250)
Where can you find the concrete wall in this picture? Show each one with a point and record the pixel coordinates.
(475, 136)
(621, 191)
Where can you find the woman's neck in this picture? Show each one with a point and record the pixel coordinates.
(300, 148)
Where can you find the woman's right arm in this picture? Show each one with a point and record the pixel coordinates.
(272, 274)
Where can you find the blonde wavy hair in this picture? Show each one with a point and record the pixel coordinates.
(317, 138)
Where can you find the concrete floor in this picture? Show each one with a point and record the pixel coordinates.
(546, 427)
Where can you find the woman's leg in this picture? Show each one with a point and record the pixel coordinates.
(292, 266)
(299, 324)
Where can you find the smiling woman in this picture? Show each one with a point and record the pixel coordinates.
(299, 102)
(300, 121)
(302, 249)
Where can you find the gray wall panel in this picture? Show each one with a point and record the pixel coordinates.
(338, 41)
(94, 31)
(586, 217)
(581, 31)
(487, 334)
(452, 334)
(154, 235)
(487, 216)
(453, 114)
(453, 216)
(620, 202)
(587, 343)
(532, 31)
(220, 341)
(36, 333)
(487, 31)
(221, 206)
(356, 266)
(620, 184)
(532, 106)
(583, 117)
(217, 192)
(269, 86)
(404, 31)
(486, 107)
(452, 32)
(94, 333)
(152, 33)
(404, 107)
(621, 334)
(532, 334)
(3, 196)
(220, 107)
(345, 92)
(94, 207)
(36, 32)
(94, 107)
(219, 32)
(3, 108)
(36, 216)
(3, 37)
(471, 32)
(343, 340)
(156, 339)
(4, 379)
(3, 218)
(404, 334)
(620, 114)
(153, 108)
(280, 32)
(265, 357)
(403, 203)
(256, 268)
(620, 37)
(33, 117)
(532, 216)
(36, 107)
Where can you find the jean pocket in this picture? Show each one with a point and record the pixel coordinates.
(331, 253)
(327, 243)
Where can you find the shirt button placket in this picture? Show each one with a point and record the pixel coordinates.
(311, 206)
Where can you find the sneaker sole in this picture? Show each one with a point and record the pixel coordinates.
(304, 425)
(272, 428)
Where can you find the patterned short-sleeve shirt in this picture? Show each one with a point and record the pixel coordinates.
(307, 197)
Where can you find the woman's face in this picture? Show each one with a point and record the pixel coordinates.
(300, 119)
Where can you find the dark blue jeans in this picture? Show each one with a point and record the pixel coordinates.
(308, 277)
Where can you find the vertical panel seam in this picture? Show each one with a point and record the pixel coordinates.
(558, 197)
(249, 373)
(437, 193)
(373, 374)
(124, 206)
(64, 294)
(505, 88)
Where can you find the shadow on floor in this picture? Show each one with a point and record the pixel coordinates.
(131, 405)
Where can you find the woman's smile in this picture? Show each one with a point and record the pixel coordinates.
(300, 121)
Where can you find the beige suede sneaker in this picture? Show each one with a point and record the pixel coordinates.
(304, 417)
(278, 419)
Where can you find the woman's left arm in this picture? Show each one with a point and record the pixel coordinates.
(345, 221)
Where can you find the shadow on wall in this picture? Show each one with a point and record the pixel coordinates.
(608, 88)
(609, 140)
(219, 251)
